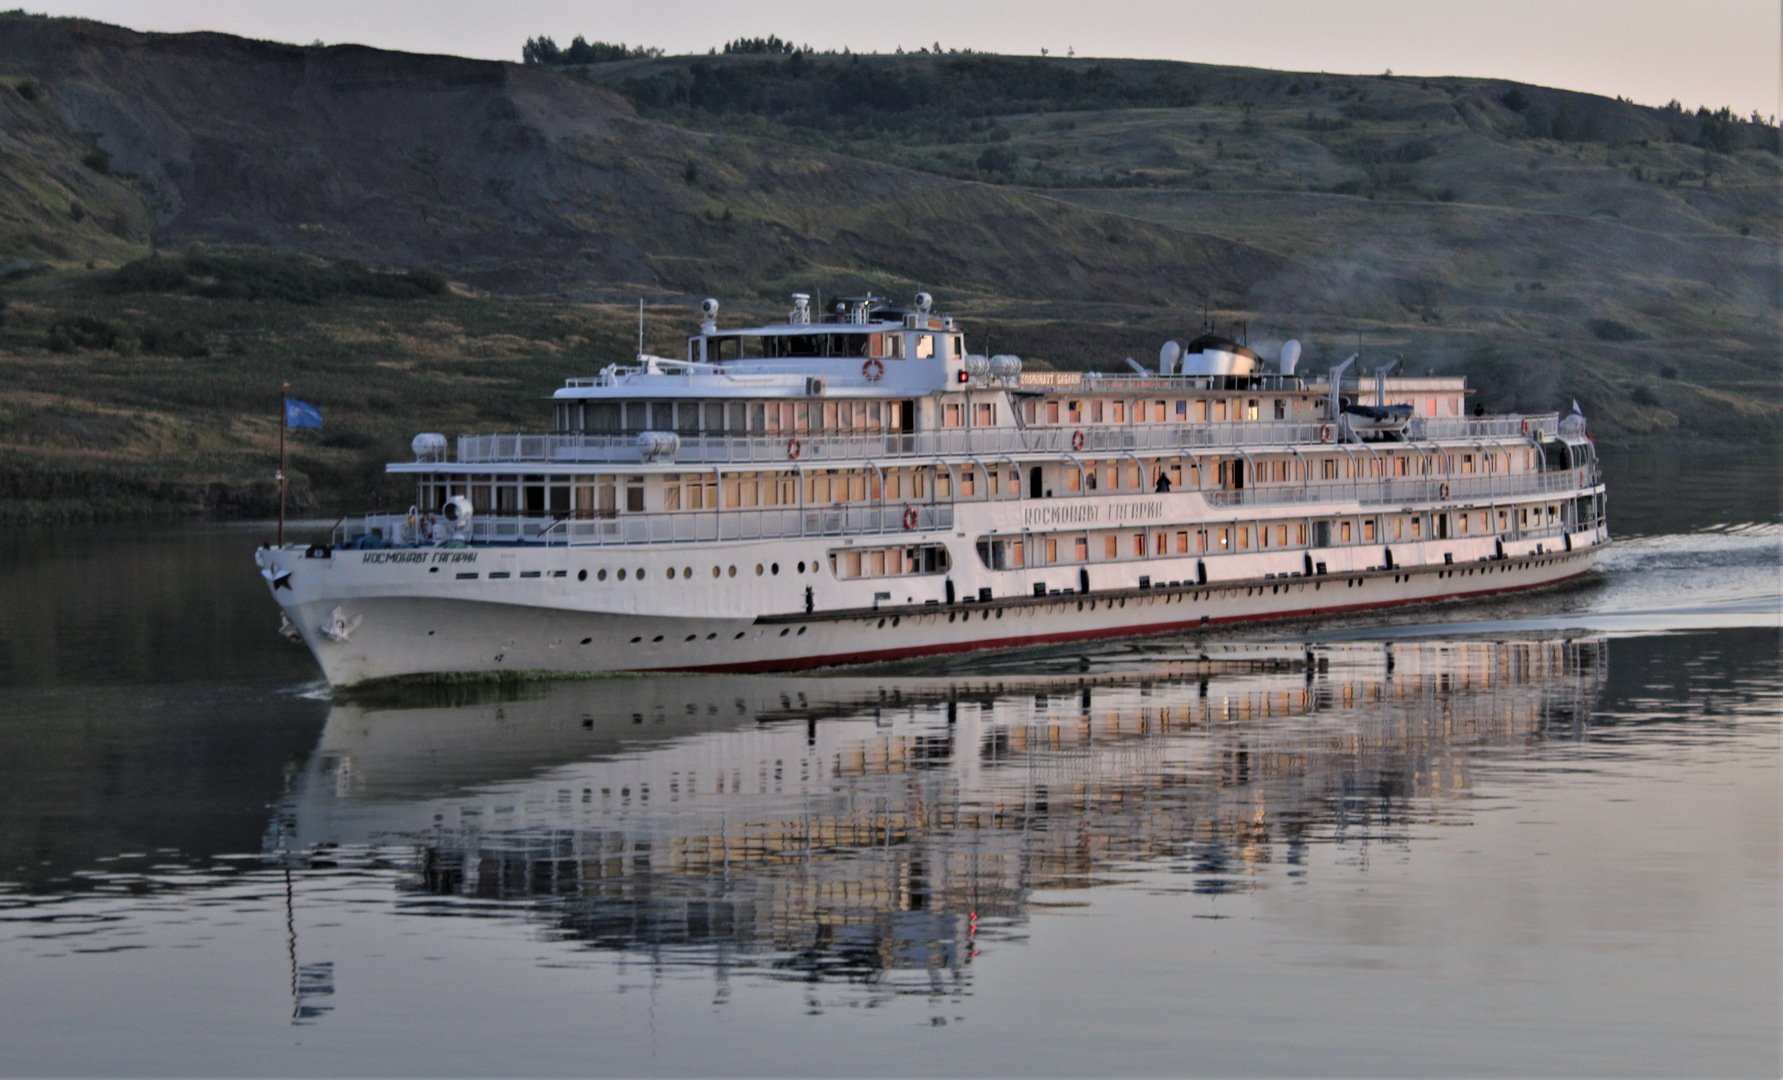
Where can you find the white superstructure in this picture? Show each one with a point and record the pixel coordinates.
(860, 487)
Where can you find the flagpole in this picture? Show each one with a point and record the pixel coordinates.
(281, 476)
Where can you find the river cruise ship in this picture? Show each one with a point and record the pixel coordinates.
(856, 486)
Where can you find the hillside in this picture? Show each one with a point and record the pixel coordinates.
(1552, 244)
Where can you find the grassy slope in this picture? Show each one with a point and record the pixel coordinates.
(94, 432)
(1422, 215)
(1558, 244)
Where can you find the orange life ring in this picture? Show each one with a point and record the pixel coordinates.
(1443, 491)
(909, 517)
(1325, 433)
(793, 448)
(873, 370)
(1077, 440)
(1525, 425)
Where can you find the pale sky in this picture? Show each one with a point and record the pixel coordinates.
(1702, 52)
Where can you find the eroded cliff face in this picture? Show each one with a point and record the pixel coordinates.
(525, 180)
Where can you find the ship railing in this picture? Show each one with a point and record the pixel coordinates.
(1463, 488)
(381, 530)
(1087, 440)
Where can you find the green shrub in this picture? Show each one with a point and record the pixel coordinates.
(1611, 330)
(284, 276)
(81, 332)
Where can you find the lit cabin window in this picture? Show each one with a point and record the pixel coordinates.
(925, 346)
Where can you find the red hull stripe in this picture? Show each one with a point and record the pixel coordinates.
(909, 652)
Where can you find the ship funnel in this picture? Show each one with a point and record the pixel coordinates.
(1290, 356)
(1170, 358)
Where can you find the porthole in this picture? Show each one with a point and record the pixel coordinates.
(687, 572)
(758, 569)
(640, 573)
(713, 636)
(774, 568)
(692, 637)
(670, 572)
(882, 624)
(801, 632)
(896, 619)
(621, 574)
(715, 571)
(739, 636)
(433, 569)
(635, 640)
(785, 632)
(730, 571)
(601, 574)
(656, 639)
(581, 575)
(801, 566)
(588, 641)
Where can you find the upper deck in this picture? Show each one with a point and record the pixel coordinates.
(870, 382)
(993, 444)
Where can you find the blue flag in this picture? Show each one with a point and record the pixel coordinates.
(301, 414)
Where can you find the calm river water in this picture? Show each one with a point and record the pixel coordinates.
(1535, 837)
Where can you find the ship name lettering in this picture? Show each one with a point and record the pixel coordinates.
(395, 557)
(1091, 513)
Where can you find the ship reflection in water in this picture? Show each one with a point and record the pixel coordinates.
(878, 830)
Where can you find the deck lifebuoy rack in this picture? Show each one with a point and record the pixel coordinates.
(873, 370)
(1077, 440)
(793, 449)
(1442, 492)
(909, 518)
(1325, 433)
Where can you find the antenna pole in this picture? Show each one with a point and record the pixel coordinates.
(640, 327)
(281, 473)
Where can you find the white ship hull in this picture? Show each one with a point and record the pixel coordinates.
(366, 618)
(857, 487)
